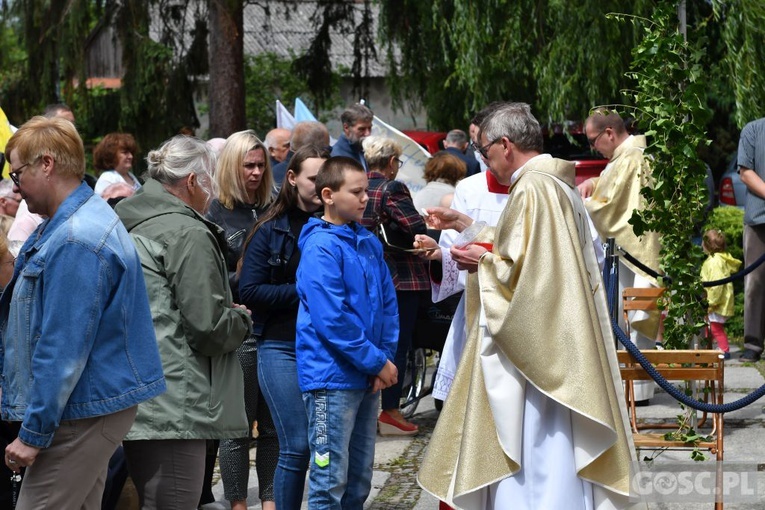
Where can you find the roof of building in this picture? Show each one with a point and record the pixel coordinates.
(288, 27)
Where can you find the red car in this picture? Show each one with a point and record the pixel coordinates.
(432, 141)
(574, 147)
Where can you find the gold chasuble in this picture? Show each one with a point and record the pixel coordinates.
(536, 315)
(616, 195)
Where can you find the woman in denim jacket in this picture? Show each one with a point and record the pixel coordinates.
(267, 287)
(78, 345)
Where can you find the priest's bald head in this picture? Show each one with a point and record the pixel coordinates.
(510, 136)
(605, 131)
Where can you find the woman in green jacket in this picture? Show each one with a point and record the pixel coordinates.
(198, 327)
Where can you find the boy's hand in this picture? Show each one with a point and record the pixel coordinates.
(377, 384)
(389, 374)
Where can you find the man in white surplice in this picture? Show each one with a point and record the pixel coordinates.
(535, 416)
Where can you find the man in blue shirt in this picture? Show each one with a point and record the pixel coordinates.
(357, 125)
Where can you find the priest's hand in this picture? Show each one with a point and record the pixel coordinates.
(586, 188)
(427, 246)
(442, 218)
(468, 257)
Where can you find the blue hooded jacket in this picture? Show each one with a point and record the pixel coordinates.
(347, 325)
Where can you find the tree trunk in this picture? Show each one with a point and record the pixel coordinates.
(226, 92)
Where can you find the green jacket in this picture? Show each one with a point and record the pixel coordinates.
(197, 329)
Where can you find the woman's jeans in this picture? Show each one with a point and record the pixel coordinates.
(342, 427)
(277, 373)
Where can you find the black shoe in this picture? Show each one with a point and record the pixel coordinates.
(749, 355)
(643, 403)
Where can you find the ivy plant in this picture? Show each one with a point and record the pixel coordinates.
(669, 104)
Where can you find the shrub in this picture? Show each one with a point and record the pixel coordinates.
(730, 220)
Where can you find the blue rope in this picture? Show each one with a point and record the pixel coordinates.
(611, 287)
(735, 276)
(714, 283)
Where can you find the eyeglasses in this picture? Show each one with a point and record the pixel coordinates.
(252, 166)
(484, 151)
(14, 175)
(400, 163)
(593, 141)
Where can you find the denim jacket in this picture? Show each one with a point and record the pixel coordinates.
(77, 334)
(266, 260)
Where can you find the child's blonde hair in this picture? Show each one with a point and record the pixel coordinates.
(713, 241)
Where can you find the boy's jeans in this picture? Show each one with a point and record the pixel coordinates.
(342, 426)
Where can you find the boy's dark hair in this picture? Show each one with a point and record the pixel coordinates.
(332, 173)
(713, 241)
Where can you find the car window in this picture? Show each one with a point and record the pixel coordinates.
(570, 147)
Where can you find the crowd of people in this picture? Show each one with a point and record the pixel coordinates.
(245, 290)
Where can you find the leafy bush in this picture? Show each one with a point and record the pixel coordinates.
(269, 77)
(730, 220)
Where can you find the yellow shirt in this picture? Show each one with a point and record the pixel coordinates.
(720, 297)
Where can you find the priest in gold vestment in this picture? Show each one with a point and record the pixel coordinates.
(610, 200)
(535, 418)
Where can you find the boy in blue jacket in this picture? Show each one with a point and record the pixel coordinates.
(347, 330)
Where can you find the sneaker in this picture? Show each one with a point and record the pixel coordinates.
(389, 426)
(726, 355)
(749, 355)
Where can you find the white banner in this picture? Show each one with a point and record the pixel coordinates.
(413, 157)
(284, 118)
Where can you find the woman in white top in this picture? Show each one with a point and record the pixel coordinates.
(442, 172)
(113, 156)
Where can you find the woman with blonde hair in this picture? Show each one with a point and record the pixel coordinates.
(245, 190)
(391, 204)
(245, 187)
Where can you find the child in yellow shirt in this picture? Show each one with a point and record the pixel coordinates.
(719, 264)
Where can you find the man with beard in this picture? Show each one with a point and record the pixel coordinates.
(357, 125)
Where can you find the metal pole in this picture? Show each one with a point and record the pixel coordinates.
(682, 19)
(612, 263)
